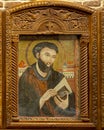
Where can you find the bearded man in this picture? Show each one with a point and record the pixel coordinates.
(42, 90)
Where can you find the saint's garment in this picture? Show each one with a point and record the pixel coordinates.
(32, 86)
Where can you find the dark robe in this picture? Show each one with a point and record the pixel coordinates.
(32, 86)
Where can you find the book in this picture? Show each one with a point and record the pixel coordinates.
(62, 88)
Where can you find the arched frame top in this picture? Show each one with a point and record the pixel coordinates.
(64, 4)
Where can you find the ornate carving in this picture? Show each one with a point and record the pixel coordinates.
(50, 20)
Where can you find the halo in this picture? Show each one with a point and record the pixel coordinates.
(26, 52)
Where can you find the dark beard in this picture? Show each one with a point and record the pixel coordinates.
(43, 67)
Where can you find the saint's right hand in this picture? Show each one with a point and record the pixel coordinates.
(46, 96)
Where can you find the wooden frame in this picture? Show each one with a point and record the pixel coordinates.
(63, 18)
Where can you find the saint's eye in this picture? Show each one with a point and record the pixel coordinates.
(47, 54)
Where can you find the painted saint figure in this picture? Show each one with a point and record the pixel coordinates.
(44, 91)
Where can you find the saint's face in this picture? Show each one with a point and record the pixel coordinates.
(48, 56)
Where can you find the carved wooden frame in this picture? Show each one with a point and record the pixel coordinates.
(74, 19)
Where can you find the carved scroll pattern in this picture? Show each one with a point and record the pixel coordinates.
(102, 66)
(49, 20)
(94, 69)
(84, 42)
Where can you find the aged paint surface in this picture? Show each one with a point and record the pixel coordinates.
(67, 60)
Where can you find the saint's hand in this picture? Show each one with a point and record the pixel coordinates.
(62, 103)
(46, 96)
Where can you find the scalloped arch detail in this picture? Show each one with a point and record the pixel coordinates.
(50, 25)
